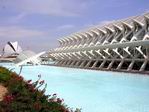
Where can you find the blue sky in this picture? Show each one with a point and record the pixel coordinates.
(37, 24)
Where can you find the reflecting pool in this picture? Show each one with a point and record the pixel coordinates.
(93, 91)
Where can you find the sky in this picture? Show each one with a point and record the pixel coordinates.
(37, 24)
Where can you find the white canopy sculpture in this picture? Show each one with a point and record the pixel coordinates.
(28, 57)
(11, 49)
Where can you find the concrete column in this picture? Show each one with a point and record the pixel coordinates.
(78, 54)
(62, 62)
(77, 41)
(118, 28)
(61, 55)
(107, 51)
(60, 43)
(110, 65)
(67, 43)
(77, 64)
(127, 51)
(111, 35)
(73, 56)
(140, 51)
(65, 63)
(63, 43)
(136, 36)
(102, 64)
(131, 65)
(84, 53)
(98, 51)
(82, 64)
(105, 40)
(70, 56)
(90, 53)
(58, 62)
(125, 36)
(56, 56)
(120, 65)
(90, 38)
(72, 64)
(67, 56)
(96, 55)
(101, 38)
(82, 41)
(116, 51)
(87, 65)
(68, 62)
(74, 42)
(94, 38)
(70, 41)
(94, 65)
(143, 66)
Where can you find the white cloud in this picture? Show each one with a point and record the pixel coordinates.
(16, 19)
(65, 27)
(21, 33)
(28, 38)
(19, 17)
(48, 7)
(18, 32)
(105, 22)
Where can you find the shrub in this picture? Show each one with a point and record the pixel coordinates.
(26, 96)
(4, 74)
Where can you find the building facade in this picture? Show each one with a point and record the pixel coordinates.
(11, 49)
(121, 45)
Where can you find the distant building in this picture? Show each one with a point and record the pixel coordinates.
(121, 45)
(11, 49)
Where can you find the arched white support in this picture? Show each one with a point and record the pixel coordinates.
(119, 45)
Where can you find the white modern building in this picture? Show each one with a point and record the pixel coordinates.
(121, 45)
(28, 57)
(11, 49)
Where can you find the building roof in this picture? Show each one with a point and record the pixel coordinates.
(11, 48)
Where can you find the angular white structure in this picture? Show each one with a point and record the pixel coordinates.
(121, 45)
(11, 49)
(28, 57)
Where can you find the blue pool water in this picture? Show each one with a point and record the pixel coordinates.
(94, 91)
